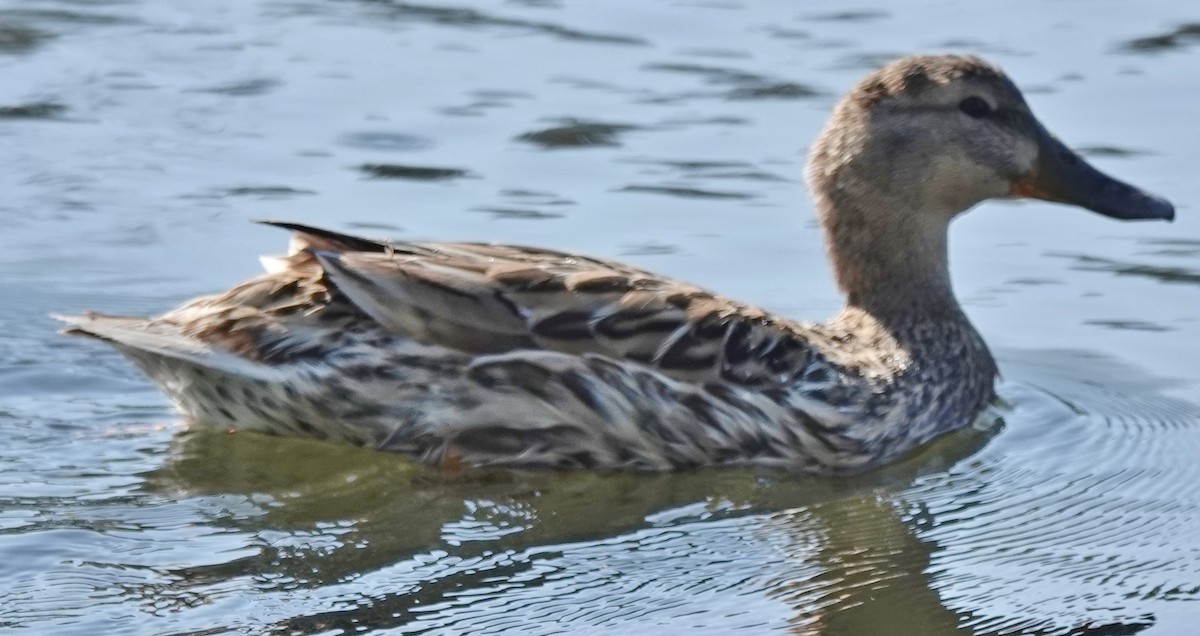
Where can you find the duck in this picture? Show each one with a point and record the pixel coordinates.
(481, 355)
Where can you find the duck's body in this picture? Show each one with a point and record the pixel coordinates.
(503, 355)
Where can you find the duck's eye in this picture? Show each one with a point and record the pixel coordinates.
(975, 106)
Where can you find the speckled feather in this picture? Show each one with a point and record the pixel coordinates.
(501, 355)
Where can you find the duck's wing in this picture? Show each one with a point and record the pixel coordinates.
(482, 298)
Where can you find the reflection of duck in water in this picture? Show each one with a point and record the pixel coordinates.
(502, 355)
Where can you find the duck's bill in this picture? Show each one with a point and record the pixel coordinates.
(1064, 177)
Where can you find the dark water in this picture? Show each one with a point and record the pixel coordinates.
(139, 138)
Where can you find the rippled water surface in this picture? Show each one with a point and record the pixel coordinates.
(139, 138)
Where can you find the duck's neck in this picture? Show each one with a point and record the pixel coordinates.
(889, 257)
(889, 260)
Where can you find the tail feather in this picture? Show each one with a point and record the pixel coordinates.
(144, 340)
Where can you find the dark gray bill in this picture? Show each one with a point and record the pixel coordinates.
(1064, 177)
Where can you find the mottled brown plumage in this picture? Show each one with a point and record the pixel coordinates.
(919, 74)
(460, 353)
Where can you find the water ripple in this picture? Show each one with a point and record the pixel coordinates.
(1081, 535)
(466, 17)
(573, 133)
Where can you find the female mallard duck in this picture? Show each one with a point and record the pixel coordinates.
(502, 355)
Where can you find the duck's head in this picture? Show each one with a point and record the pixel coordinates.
(927, 137)
(947, 132)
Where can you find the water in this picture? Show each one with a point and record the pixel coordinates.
(139, 139)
